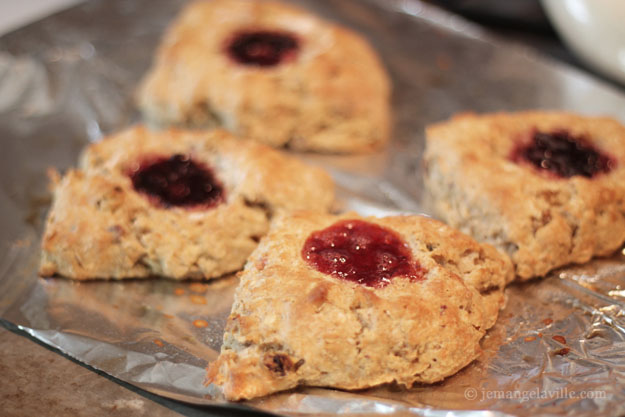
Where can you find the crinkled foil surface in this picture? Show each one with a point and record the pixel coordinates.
(559, 345)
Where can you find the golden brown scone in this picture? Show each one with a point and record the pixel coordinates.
(270, 72)
(106, 223)
(543, 214)
(292, 324)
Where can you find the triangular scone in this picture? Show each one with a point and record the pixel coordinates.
(545, 187)
(293, 325)
(271, 72)
(177, 204)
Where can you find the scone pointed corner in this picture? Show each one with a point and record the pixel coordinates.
(244, 378)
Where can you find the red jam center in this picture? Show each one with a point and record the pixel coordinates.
(361, 252)
(564, 155)
(177, 181)
(262, 48)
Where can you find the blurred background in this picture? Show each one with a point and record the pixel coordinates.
(17, 13)
(586, 27)
(588, 34)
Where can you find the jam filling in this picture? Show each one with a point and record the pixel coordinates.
(361, 252)
(262, 48)
(177, 181)
(563, 155)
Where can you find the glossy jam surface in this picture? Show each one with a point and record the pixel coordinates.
(563, 155)
(177, 181)
(362, 252)
(262, 48)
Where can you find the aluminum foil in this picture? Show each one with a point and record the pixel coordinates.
(559, 345)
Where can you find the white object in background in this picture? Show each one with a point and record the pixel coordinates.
(17, 13)
(594, 30)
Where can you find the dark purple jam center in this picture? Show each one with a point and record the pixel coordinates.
(177, 181)
(563, 155)
(262, 48)
(361, 252)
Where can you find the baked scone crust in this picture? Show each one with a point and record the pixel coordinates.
(100, 227)
(292, 325)
(540, 221)
(333, 97)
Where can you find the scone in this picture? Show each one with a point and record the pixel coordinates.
(270, 72)
(173, 203)
(547, 188)
(351, 302)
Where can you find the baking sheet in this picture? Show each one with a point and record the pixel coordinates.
(69, 79)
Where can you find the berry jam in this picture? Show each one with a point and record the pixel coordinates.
(564, 155)
(361, 252)
(177, 181)
(262, 48)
